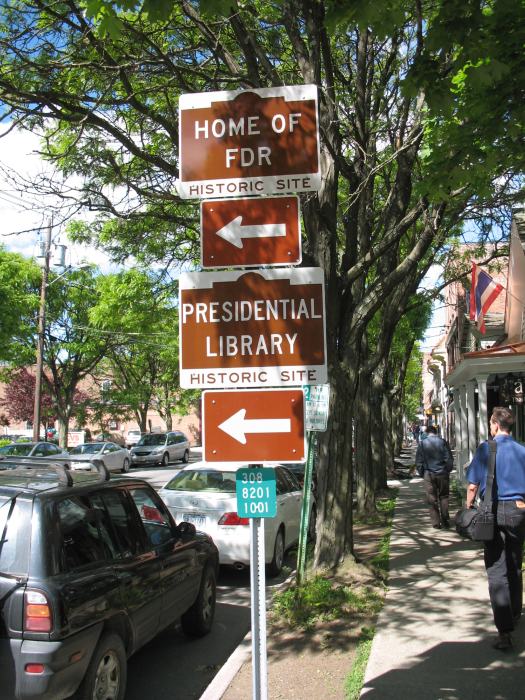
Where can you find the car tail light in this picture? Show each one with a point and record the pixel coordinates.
(34, 668)
(233, 519)
(37, 612)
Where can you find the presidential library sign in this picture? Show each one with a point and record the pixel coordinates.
(249, 329)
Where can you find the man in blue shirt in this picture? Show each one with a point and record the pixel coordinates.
(503, 555)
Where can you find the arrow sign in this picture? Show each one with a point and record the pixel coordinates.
(237, 426)
(274, 431)
(250, 232)
(234, 232)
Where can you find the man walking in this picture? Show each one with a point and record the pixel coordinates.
(504, 553)
(434, 462)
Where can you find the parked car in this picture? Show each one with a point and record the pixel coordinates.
(32, 449)
(205, 495)
(115, 457)
(132, 438)
(91, 568)
(161, 448)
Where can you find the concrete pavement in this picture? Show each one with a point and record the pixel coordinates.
(433, 636)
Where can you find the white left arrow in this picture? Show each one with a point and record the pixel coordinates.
(233, 232)
(237, 426)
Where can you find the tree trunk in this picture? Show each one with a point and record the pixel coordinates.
(63, 429)
(334, 478)
(365, 443)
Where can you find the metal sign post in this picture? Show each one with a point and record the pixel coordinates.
(305, 509)
(257, 499)
(316, 420)
(258, 610)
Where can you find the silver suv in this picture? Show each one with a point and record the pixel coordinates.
(161, 448)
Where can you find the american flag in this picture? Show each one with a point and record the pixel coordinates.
(483, 293)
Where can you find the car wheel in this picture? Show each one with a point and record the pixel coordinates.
(125, 466)
(107, 671)
(197, 621)
(276, 565)
(165, 459)
(186, 457)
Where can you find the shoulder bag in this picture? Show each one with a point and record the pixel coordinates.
(478, 523)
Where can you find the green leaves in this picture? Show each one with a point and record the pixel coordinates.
(20, 281)
(383, 18)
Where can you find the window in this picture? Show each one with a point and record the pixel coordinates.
(85, 537)
(153, 515)
(292, 480)
(203, 480)
(121, 521)
(40, 450)
(15, 535)
(283, 485)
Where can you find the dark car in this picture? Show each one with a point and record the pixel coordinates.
(90, 570)
(32, 449)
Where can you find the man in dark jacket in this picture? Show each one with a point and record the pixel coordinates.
(434, 462)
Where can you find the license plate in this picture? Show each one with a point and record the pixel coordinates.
(197, 519)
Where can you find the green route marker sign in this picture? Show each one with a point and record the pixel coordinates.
(256, 492)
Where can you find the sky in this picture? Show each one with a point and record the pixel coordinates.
(18, 215)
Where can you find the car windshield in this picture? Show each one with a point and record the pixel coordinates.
(152, 439)
(89, 448)
(209, 480)
(19, 449)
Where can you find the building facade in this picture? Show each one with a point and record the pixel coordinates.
(484, 371)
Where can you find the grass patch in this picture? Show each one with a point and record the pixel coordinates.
(319, 599)
(354, 680)
(381, 566)
(381, 561)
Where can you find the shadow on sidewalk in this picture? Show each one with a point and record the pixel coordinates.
(453, 671)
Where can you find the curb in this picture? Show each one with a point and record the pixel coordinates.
(238, 657)
(225, 676)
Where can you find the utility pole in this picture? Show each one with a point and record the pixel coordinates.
(41, 330)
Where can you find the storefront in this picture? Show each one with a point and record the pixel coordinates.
(481, 381)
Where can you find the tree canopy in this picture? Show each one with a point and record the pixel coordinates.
(19, 297)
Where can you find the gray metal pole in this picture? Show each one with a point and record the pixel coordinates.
(258, 611)
(40, 341)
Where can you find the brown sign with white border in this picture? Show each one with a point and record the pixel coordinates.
(265, 425)
(250, 329)
(250, 232)
(249, 142)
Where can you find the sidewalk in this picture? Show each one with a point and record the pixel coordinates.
(433, 636)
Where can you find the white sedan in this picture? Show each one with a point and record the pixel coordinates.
(115, 457)
(205, 495)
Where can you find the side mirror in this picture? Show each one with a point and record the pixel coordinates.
(185, 529)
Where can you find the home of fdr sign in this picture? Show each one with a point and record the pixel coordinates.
(249, 142)
(262, 328)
